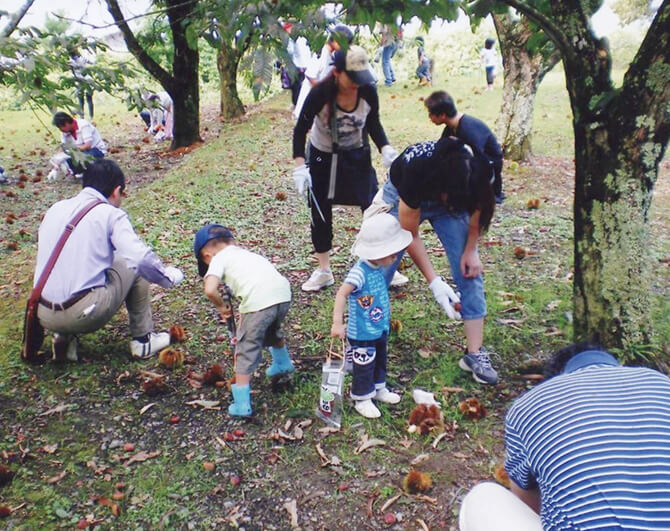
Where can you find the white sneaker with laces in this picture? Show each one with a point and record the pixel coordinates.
(367, 409)
(320, 279)
(399, 280)
(157, 342)
(386, 396)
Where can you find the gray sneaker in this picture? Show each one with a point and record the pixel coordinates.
(479, 365)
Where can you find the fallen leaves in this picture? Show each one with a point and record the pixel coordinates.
(55, 479)
(205, 404)
(154, 386)
(325, 460)
(140, 457)
(291, 507)
(60, 408)
(106, 502)
(367, 443)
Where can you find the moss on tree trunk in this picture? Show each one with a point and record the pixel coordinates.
(227, 61)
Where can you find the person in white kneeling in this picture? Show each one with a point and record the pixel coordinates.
(102, 265)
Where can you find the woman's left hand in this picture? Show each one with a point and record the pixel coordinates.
(471, 265)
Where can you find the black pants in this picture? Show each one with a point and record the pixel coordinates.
(89, 99)
(319, 169)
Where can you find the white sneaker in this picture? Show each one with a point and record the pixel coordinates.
(399, 279)
(64, 348)
(386, 396)
(320, 279)
(157, 342)
(367, 409)
(52, 175)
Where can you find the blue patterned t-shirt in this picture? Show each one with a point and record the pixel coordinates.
(369, 306)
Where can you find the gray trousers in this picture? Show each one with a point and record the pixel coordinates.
(96, 309)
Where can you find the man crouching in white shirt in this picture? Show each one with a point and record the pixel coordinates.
(102, 265)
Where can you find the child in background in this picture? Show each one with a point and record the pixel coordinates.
(265, 298)
(365, 291)
(489, 61)
(425, 69)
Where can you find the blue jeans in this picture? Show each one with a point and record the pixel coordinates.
(79, 168)
(387, 53)
(452, 230)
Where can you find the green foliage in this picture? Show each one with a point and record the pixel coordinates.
(36, 65)
(155, 37)
(631, 10)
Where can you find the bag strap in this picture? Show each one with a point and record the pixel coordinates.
(37, 290)
(336, 147)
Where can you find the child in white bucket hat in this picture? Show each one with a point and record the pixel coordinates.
(364, 289)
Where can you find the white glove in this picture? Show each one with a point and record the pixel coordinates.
(302, 179)
(389, 154)
(445, 296)
(174, 274)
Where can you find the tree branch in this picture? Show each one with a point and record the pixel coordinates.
(645, 86)
(15, 18)
(551, 29)
(156, 70)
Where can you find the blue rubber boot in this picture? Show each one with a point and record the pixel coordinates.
(241, 406)
(281, 363)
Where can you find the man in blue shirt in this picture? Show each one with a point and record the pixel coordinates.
(587, 449)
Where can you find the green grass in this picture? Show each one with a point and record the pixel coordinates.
(234, 179)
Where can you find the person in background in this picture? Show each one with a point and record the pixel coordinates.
(103, 265)
(425, 69)
(318, 70)
(588, 448)
(83, 81)
(83, 136)
(159, 115)
(489, 62)
(389, 46)
(301, 55)
(475, 133)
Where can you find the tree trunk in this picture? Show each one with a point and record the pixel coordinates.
(185, 88)
(620, 137)
(183, 83)
(523, 72)
(227, 61)
(611, 234)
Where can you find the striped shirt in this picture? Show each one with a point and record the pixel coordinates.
(596, 441)
(369, 306)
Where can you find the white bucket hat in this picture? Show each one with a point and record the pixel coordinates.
(380, 236)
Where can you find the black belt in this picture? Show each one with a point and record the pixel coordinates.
(57, 306)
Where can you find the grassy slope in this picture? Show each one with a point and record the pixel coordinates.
(235, 180)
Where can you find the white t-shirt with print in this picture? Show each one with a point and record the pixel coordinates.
(251, 277)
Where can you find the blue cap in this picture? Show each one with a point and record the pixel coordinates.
(205, 235)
